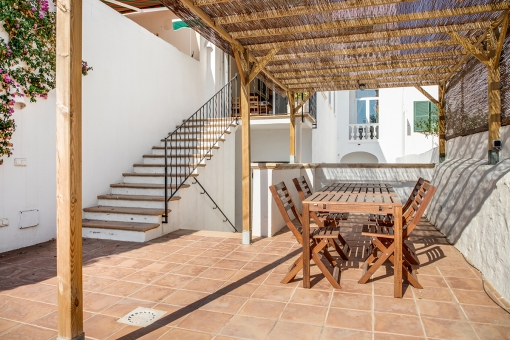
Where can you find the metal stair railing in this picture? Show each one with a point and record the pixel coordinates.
(194, 140)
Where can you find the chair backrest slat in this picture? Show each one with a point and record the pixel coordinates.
(285, 204)
(418, 206)
(302, 187)
(414, 192)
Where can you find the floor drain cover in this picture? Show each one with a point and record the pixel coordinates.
(141, 317)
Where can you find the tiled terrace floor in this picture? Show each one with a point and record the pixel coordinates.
(213, 287)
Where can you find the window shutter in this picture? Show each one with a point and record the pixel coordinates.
(421, 114)
(434, 113)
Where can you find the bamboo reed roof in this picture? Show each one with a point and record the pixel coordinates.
(323, 45)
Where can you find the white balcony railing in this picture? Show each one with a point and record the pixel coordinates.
(363, 132)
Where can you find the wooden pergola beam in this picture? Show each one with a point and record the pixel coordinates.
(407, 78)
(442, 121)
(259, 66)
(69, 168)
(363, 50)
(469, 47)
(322, 87)
(453, 56)
(292, 105)
(360, 37)
(304, 100)
(374, 67)
(370, 21)
(298, 10)
(463, 61)
(428, 95)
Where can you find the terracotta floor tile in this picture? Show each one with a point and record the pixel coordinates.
(190, 270)
(352, 301)
(432, 281)
(204, 261)
(436, 294)
(230, 264)
(311, 297)
(274, 293)
(162, 267)
(472, 297)
(224, 304)
(205, 321)
(5, 325)
(100, 326)
(257, 266)
(244, 290)
(174, 314)
(204, 285)
(248, 276)
(174, 281)
(392, 305)
(15, 309)
(144, 277)
(215, 253)
(241, 256)
(346, 318)
(153, 293)
(329, 333)
(125, 306)
(218, 273)
(387, 289)
(96, 302)
(176, 258)
(492, 315)
(178, 334)
(295, 331)
(27, 332)
(448, 329)
(125, 332)
(458, 272)
(351, 286)
(262, 309)
(387, 336)
(398, 324)
(304, 314)
(135, 263)
(191, 251)
(185, 298)
(428, 270)
(115, 273)
(463, 283)
(274, 279)
(31, 291)
(443, 310)
(248, 327)
(492, 332)
(122, 288)
(96, 284)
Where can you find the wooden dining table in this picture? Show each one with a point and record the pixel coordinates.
(368, 198)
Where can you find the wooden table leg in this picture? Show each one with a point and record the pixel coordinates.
(398, 251)
(306, 246)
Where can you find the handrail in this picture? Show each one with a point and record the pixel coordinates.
(215, 204)
(195, 138)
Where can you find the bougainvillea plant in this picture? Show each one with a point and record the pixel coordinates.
(27, 59)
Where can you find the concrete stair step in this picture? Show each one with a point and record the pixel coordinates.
(139, 174)
(179, 156)
(114, 225)
(137, 198)
(146, 186)
(125, 210)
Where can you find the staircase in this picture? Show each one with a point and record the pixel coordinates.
(139, 208)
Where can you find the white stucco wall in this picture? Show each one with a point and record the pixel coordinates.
(324, 137)
(140, 89)
(476, 145)
(471, 207)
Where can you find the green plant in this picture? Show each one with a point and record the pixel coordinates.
(429, 127)
(27, 59)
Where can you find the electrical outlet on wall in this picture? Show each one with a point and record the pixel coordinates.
(4, 222)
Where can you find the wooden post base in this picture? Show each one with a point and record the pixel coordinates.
(442, 158)
(493, 157)
(79, 337)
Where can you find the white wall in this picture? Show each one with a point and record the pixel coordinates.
(324, 137)
(270, 145)
(476, 145)
(471, 208)
(140, 89)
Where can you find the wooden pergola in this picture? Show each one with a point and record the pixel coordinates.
(316, 45)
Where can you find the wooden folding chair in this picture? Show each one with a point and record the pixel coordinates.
(319, 237)
(388, 219)
(326, 218)
(383, 239)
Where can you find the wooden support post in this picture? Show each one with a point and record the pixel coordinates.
(292, 105)
(69, 175)
(496, 40)
(442, 122)
(242, 61)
